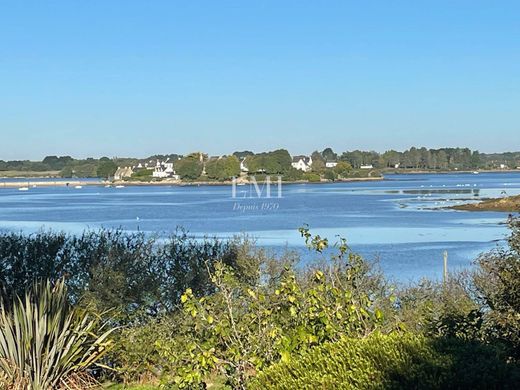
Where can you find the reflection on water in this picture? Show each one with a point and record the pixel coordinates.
(403, 220)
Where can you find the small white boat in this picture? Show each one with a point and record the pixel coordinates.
(476, 172)
(120, 186)
(78, 187)
(108, 186)
(23, 189)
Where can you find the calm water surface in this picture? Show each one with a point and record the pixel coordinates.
(399, 221)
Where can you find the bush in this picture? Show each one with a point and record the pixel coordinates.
(330, 175)
(312, 177)
(244, 327)
(293, 174)
(131, 273)
(497, 283)
(396, 361)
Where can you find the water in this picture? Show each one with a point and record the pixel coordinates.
(400, 221)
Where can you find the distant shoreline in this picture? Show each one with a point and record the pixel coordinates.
(75, 183)
(60, 182)
(419, 172)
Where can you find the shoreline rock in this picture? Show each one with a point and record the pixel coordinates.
(506, 204)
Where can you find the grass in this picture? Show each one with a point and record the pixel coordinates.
(29, 174)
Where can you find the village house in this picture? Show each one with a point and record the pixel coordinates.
(123, 172)
(330, 164)
(243, 166)
(164, 169)
(302, 163)
(367, 166)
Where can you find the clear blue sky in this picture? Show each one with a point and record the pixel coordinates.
(133, 78)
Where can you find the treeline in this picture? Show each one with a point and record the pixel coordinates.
(423, 158)
(198, 165)
(66, 166)
(189, 313)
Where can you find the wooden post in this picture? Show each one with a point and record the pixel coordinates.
(445, 273)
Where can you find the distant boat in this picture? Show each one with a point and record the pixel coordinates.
(476, 172)
(120, 186)
(23, 189)
(108, 186)
(78, 187)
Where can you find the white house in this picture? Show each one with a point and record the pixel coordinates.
(367, 166)
(243, 167)
(163, 170)
(123, 172)
(303, 163)
(330, 164)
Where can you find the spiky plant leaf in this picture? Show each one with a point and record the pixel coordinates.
(44, 342)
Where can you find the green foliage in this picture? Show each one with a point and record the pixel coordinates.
(244, 327)
(130, 273)
(441, 309)
(329, 155)
(140, 352)
(57, 163)
(395, 361)
(276, 162)
(343, 168)
(293, 174)
(223, 168)
(497, 282)
(45, 344)
(329, 174)
(131, 387)
(312, 177)
(243, 154)
(143, 174)
(189, 167)
(106, 169)
(196, 310)
(318, 163)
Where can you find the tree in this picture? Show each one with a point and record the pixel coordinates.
(414, 157)
(106, 169)
(475, 160)
(355, 158)
(190, 167)
(442, 159)
(329, 155)
(391, 158)
(243, 154)
(66, 172)
(497, 281)
(343, 168)
(330, 174)
(275, 162)
(223, 168)
(318, 162)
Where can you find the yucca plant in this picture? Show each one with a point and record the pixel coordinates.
(47, 344)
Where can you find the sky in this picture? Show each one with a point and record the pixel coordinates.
(135, 78)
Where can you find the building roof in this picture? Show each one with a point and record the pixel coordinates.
(305, 159)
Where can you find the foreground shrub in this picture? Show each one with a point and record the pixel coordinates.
(45, 344)
(243, 328)
(497, 284)
(132, 274)
(397, 361)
